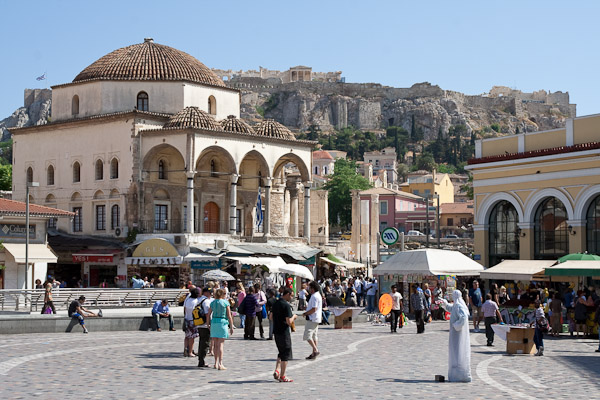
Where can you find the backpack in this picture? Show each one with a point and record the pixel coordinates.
(242, 307)
(199, 314)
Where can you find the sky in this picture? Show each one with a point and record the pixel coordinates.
(465, 46)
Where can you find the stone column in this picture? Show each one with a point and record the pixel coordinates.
(374, 225)
(190, 202)
(307, 211)
(294, 212)
(267, 214)
(233, 205)
(355, 238)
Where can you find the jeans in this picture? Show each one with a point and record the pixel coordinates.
(158, 317)
(396, 315)
(359, 300)
(325, 319)
(538, 338)
(249, 327)
(242, 320)
(203, 344)
(420, 322)
(371, 303)
(260, 327)
(489, 332)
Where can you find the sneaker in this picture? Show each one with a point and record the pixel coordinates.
(598, 351)
(158, 330)
(85, 330)
(476, 330)
(100, 313)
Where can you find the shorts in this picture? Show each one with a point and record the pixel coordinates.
(477, 313)
(284, 346)
(191, 330)
(310, 331)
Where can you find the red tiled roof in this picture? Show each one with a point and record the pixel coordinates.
(272, 128)
(195, 118)
(321, 155)
(19, 208)
(457, 208)
(535, 153)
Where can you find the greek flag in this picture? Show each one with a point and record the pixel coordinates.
(259, 213)
(41, 78)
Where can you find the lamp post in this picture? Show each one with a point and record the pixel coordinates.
(437, 222)
(29, 185)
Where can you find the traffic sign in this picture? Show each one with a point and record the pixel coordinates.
(390, 236)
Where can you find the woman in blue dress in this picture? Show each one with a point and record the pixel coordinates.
(221, 325)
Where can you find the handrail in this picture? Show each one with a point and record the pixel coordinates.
(14, 299)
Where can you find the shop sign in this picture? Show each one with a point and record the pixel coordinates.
(16, 231)
(92, 258)
(197, 264)
(155, 248)
(477, 257)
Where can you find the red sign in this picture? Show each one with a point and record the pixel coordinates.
(92, 258)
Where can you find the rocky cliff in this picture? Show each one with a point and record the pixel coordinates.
(423, 106)
(36, 111)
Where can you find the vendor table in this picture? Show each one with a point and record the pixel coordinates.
(344, 316)
(519, 339)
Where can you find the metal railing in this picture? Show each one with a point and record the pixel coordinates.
(180, 226)
(33, 299)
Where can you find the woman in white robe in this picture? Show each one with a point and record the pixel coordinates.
(459, 347)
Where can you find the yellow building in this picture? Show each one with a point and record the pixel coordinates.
(537, 195)
(429, 185)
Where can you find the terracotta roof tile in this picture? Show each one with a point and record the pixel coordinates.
(272, 128)
(321, 155)
(233, 124)
(193, 117)
(19, 208)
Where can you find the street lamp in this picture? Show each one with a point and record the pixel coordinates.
(29, 185)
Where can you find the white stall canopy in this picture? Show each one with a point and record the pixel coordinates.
(429, 262)
(518, 270)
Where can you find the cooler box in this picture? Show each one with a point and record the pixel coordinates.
(520, 341)
(344, 320)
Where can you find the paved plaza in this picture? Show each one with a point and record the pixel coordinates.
(366, 362)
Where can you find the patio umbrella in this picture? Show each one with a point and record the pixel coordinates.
(218, 275)
(579, 257)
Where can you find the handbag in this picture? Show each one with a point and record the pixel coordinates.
(543, 325)
(47, 310)
(264, 312)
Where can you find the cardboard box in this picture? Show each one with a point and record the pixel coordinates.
(520, 341)
(344, 321)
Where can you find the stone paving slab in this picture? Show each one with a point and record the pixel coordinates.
(366, 362)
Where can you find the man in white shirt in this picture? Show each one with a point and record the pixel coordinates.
(358, 286)
(396, 309)
(314, 313)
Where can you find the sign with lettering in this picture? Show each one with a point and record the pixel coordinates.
(197, 264)
(390, 236)
(92, 258)
(155, 248)
(16, 231)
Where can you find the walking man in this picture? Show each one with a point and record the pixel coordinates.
(396, 309)
(283, 318)
(476, 300)
(490, 312)
(417, 302)
(315, 314)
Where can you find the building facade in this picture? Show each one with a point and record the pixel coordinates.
(537, 195)
(387, 160)
(430, 185)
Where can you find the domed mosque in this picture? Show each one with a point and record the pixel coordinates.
(147, 140)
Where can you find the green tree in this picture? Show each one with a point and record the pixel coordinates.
(344, 179)
(468, 187)
(426, 162)
(6, 177)
(403, 171)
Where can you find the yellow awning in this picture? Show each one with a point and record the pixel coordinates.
(37, 252)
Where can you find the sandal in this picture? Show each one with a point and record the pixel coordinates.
(276, 375)
(285, 379)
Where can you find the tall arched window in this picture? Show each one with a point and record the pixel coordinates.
(142, 101)
(114, 168)
(551, 233)
(503, 233)
(593, 227)
(29, 175)
(99, 170)
(50, 175)
(76, 172)
(162, 170)
(212, 105)
(75, 105)
(114, 217)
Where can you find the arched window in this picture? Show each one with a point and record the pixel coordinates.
(213, 169)
(75, 105)
(76, 172)
(503, 233)
(551, 233)
(162, 170)
(99, 170)
(50, 175)
(142, 101)
(593, 227)
(114, 217)
(114, 169)
(316, 170)
(212, 105)
(29, 175)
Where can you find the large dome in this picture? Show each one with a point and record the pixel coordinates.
(149, 61)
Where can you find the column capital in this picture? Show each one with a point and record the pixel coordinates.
(268, 182)
(234, 178)
(190, 174)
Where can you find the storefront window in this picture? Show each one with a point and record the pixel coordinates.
(551, 234)
(593, 227)
(503, 233)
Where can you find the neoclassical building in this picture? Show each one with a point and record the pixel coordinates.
(148, 138)
(537, 195)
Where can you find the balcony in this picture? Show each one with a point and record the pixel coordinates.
(179, 226)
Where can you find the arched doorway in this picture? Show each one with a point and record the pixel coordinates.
(503, 233)
(593, 227)
(551, 234)
(211, 217)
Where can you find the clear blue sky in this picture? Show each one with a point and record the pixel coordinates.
(467, 46)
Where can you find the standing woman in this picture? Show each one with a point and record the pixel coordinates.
(241, 294)
(503, 297)
(538, 337)
(221, 325)
(495, 293)
(261, 300)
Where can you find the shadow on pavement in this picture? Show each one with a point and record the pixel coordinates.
(396, 380)
(175, 367)
(242, 382)
(160, 355)
(588, 363)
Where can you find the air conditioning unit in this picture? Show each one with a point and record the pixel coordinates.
(220, 244)
(180, 240)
